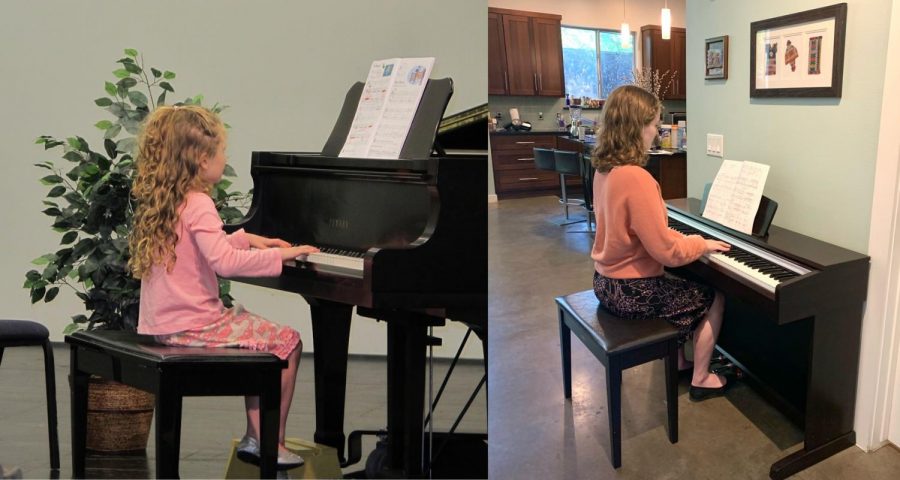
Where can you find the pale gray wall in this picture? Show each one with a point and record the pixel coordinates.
(282, 66)
(822, 151)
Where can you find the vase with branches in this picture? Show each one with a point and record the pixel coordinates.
(655, 81)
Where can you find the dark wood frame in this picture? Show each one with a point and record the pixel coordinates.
(709, 41)
(839, 13)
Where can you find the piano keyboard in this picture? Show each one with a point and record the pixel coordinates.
(335, 260)
(745, 260)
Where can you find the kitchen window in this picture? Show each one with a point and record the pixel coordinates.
(594, 61)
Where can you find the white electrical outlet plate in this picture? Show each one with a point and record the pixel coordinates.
(715, 145)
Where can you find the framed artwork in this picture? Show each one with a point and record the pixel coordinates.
(716, 58)
(799, 55)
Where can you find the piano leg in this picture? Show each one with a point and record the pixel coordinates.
(331, 337)
(831, 395)
(407, 341)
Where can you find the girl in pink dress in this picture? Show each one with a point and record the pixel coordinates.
(178, 248)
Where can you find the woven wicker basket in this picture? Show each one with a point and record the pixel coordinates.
(119, 417)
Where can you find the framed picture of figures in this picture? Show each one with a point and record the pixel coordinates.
(716, 55)
(799, 55)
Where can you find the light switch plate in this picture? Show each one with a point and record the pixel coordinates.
(715, 145)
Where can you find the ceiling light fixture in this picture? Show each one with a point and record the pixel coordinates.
(666, 22)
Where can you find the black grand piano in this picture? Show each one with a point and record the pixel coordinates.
(404, 241)
(793, 320)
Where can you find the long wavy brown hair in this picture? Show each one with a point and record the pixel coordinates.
(173, 142)
(627, 110)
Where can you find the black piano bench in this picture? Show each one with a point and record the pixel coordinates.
(172, 373)
(618, 344)
(21, 333)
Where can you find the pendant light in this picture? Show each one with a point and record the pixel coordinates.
(666, 22)
(625, 34)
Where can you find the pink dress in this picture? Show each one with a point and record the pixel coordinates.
(182, 307)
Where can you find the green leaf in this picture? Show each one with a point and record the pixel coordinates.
(70, 328)
(53, 212)
(51, 180)
(165, 86)
(156, 73)
(103, 124)
(32, 276)
(74, 143)
(121, 73)
(223, 184)
(127, 83)
(110, 147)
(162, 98)
(37, 294)
(73, 156)
(103, 102)
(44, 259)
(69, 237)
(168, 75)
(137, 98)
(56, 191)
(198, 99)
(131, 52)
(42, 165)
(132, 68)
(229, 171)
(126, 145)
(112, 132)
(110, 88)
(51, 294)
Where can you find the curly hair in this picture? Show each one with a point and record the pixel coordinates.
(627, 110)
(171, 146)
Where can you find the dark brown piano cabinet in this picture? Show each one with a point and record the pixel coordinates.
(799, 341)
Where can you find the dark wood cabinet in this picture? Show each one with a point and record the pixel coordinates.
(665, 55)
(524, 54)
(515, 174)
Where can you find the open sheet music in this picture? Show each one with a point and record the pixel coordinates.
(387, 107)
(735, 194)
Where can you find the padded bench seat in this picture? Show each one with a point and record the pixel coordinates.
(172, 373)
(618, 344)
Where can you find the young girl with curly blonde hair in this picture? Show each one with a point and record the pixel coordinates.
(633, 242)
(178, 248)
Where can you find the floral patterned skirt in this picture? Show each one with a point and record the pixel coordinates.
(683, 303)
(240, 329)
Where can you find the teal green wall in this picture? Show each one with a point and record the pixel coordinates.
(822, 151)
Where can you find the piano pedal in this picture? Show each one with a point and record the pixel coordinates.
(432, 341)
(728, 369)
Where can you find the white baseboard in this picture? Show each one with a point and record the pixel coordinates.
(492, 198)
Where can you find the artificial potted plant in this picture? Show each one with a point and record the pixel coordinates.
(90, 201)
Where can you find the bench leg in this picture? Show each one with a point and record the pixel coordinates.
(168, 430)
(565, 347)
(79, 401)
(614, 405)
(50, 380)
(269, 415)
(672, 390)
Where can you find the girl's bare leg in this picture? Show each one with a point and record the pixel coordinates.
(704, 342)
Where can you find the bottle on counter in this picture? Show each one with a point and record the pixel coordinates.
(682, 125)
(560, 123)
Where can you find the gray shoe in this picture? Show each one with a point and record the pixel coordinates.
(288, 459)
(248, 451)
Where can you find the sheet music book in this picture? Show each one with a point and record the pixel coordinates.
(735, 194)
(387, 107)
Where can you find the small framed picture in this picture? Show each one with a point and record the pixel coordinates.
(716, 58)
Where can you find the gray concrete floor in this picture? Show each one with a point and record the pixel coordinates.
(209, 423)
(536, 433)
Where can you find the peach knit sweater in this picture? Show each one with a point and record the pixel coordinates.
(633, 239)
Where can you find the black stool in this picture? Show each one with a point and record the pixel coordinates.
(172, 373)
(20, 333)
(569, 163)
(618, 344)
